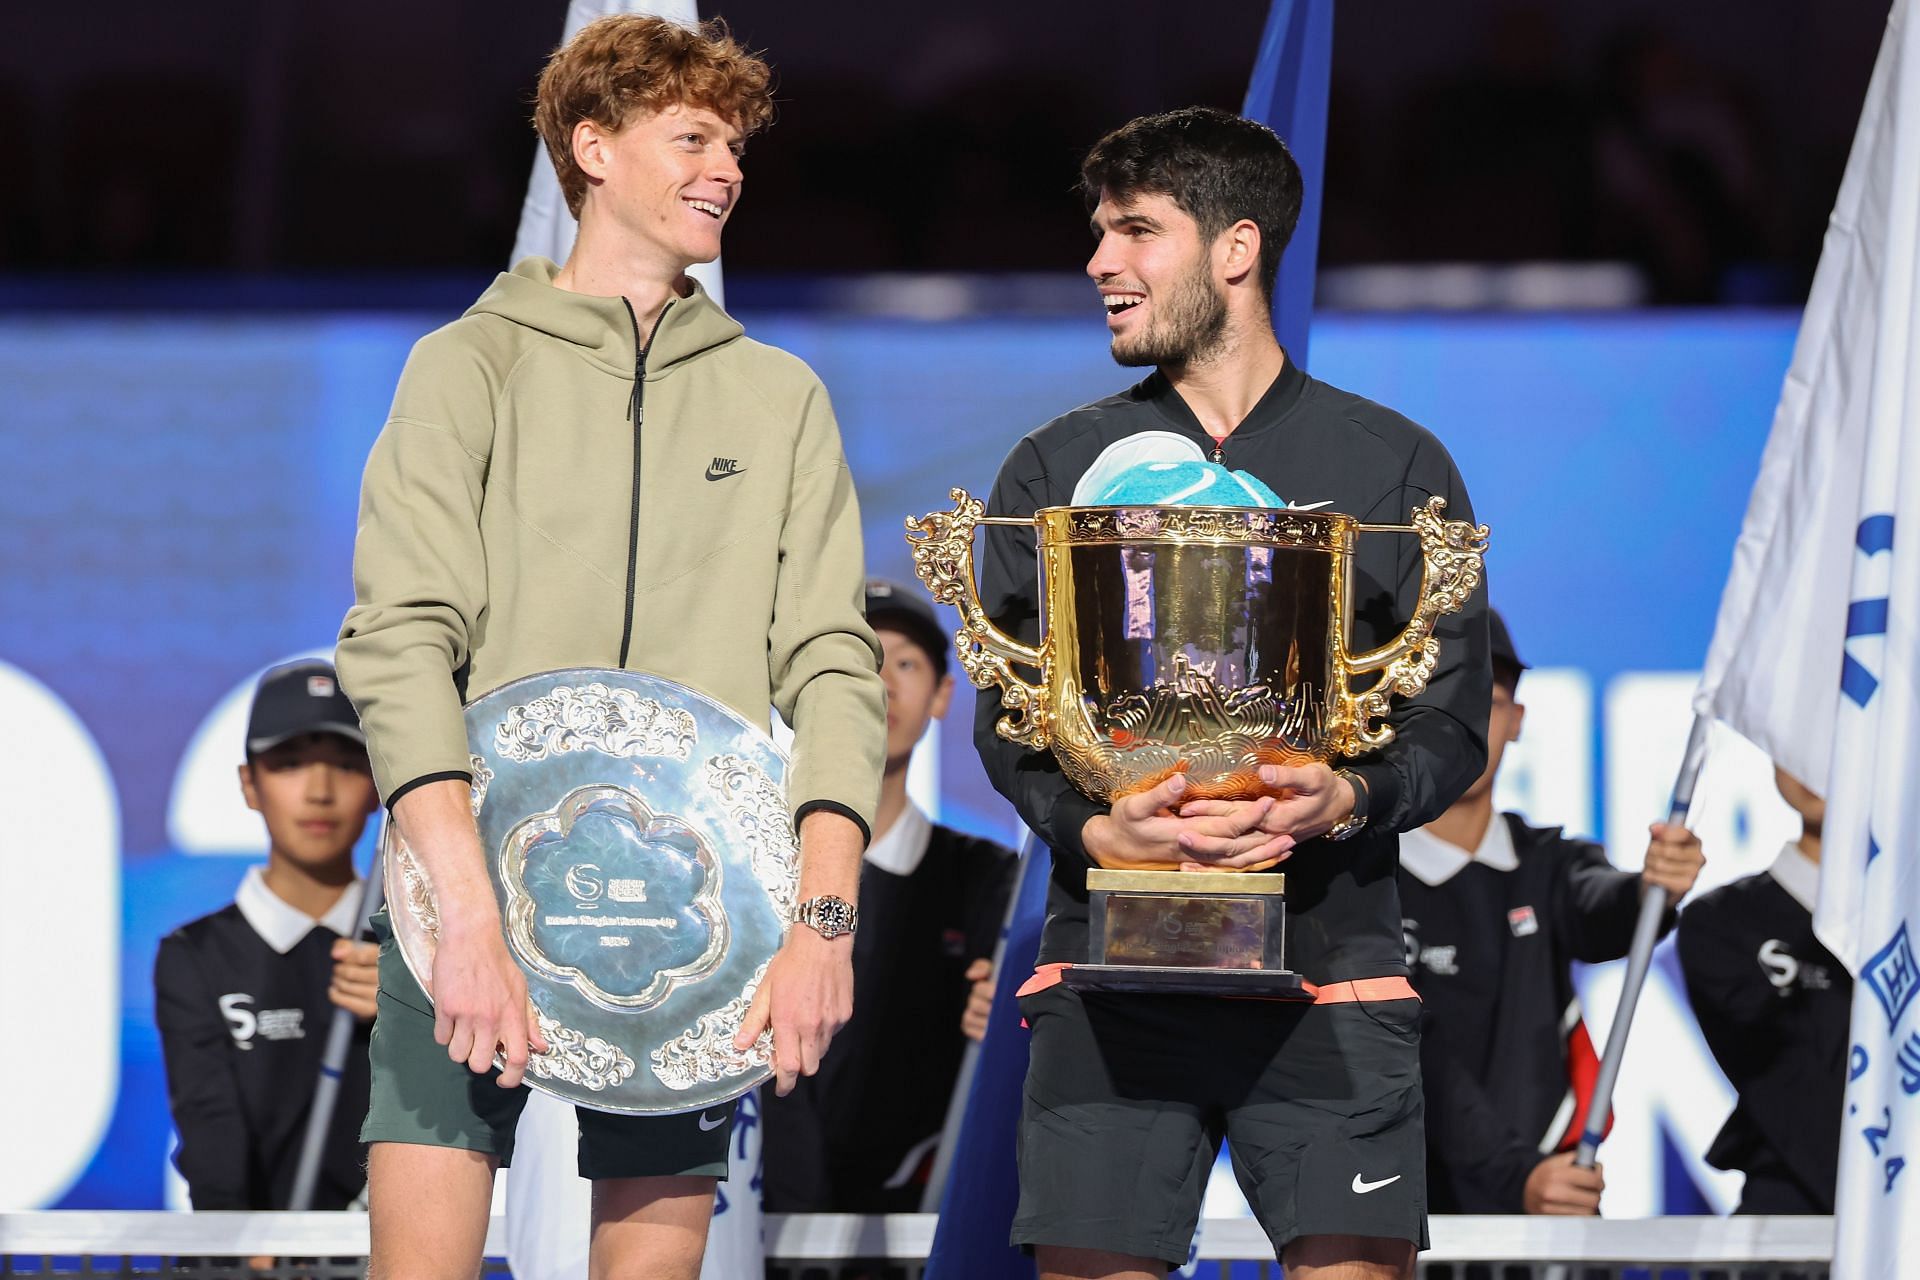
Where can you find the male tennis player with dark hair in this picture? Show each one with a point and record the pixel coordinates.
(1129, 1096)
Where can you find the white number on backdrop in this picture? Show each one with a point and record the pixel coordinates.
(60, 862)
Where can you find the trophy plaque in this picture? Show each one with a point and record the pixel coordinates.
(640, 850)
(1207, 641)
(1187, 932)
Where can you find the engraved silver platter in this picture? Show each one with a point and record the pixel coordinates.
(645, 867)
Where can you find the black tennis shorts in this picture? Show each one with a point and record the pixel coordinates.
(1128, 1097)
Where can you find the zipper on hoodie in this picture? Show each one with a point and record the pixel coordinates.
(636, 411)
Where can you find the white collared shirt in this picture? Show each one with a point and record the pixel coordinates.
(1434, 861)
(901, 847)
(1798, 874)
(280, 924)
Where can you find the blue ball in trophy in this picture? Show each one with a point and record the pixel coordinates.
(1187, 483)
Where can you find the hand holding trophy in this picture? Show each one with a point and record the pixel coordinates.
(645, 870)
(1208, 642)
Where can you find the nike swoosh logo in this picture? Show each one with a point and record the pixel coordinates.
(722, 475)
(708, 1126)
(1361, 1186)
(1309, 506)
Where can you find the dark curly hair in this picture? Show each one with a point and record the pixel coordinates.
(1216, 166)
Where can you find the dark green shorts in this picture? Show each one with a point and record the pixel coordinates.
(1129, 1096)
(423, 1097)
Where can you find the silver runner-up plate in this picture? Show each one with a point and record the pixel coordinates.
(645, 866)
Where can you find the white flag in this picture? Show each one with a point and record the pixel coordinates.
(1816, 654)
(549, 1205)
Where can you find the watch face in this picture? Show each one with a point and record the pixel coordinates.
(830, 916)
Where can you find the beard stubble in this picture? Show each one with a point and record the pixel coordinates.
(1193, 316)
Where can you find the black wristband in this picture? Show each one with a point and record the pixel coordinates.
(451, 775)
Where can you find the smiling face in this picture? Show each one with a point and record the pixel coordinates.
(668, 180)
(1156, 279)
(315, 793)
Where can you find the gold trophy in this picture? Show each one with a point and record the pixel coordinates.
(1200, 640)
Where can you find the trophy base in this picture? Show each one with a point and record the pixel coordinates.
(1193, 933)
(1264, 984)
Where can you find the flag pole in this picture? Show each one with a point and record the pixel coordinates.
(333, 1062)
(1646, 932)
(970, 1059)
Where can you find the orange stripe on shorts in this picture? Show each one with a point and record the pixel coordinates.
(1365, 989)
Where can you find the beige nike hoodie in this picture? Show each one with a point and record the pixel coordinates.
(553, 489)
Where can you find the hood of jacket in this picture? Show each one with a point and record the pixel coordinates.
(603, 329)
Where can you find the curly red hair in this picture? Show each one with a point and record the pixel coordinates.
(630, 62)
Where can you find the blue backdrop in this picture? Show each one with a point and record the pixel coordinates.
(182, 491)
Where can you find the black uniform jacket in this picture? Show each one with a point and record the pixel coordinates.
(243, 1028)
(1321, 448)
(1774, 1006)
(857, 1136)
(1492, 952)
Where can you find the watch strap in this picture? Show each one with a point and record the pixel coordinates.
(1356, 821)
(1360, 793)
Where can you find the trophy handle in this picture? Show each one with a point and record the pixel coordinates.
(943, 560)
(1452, 554)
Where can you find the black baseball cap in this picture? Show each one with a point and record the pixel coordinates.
(1506, 659)
(905, 610)
(297, 698)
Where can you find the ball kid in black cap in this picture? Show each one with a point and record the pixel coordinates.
(299, 698)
